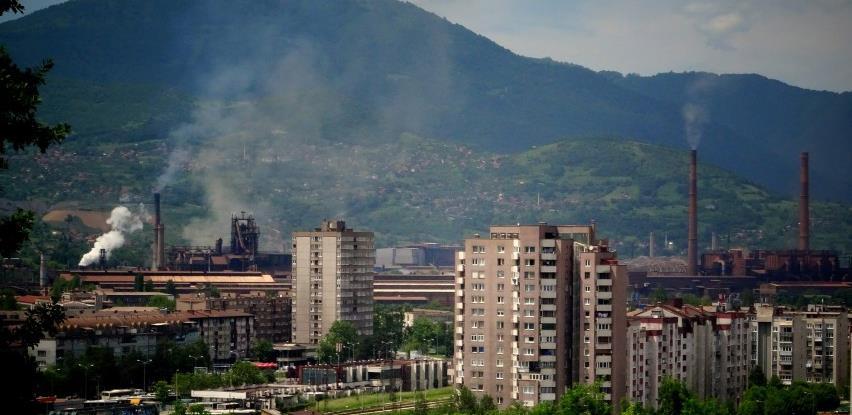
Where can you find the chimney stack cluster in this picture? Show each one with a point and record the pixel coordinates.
(159, 254)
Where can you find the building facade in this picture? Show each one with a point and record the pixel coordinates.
(706, 349)
(271, 314)
(603, 301)
(332, 280)
(811, 345)
(515, 302)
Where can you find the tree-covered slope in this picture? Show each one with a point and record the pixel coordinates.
(414, 189)
(372, 70)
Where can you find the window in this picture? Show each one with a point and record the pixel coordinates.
(529, 262)
(478, 286)
(529, 287)
(499, 337)
(499, 349)
(477, 299)
(478, 324)
(500, 313)
(529, 312)
(499, 362)
(477, 349)
(501, 287)
(588, 262)
(501, 274)
(528, 390)
(587, 302)
(529, 352)
(501, 249)
(501, 261)
(478, 249)
(501, 299)
(477, 311)
(529, 326)
(529, 249)
(588, 289)
(528, 275)
(529, 301)
(530, 339)
(499, 375)
(500, 325)
(479, 262)
(586, 339)
(477, 338)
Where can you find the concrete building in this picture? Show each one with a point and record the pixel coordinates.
(228, 334)
(515, 302)
(413, 289)
(332, 280)
(121, 332)
(378, 375)
(707, 349)
(603, 301)
(811, 345)
(271, 314)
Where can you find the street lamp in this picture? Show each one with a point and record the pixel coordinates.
(86, 368)
(144, 373)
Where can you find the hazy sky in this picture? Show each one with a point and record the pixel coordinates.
(807, 43)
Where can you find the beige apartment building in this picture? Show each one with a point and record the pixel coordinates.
(811, 345)
(518, 315)
(603, 301)
(332, 280)
(707, 349)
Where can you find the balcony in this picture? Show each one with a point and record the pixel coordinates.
(459, 306)
(459, 330)
(548, 320)
(460, 293)
(547, 396)
(603, 269)
(514, 268)
(548, 268)
(459, 343)
(460, 268)
(548, 307)
(604, 307)
(548, 243)
(548, 257)
(607, 282)
(547, 358)
(547, 294)
(460, 280)
(459, 317)
(604, 295)
(516, 256)
(547, 345)
(460, 255)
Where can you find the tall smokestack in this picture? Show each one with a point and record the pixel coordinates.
(692, 243)
(158, 257)
(804, 201)
(42, 274)
(651, 245)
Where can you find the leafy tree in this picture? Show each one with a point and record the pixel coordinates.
(7, 300)
(584, 399)
(635, 408)
(338, 344)
(672, 397)
(825, 396)
(658, 296)
(264, 351)
(19, 129)
(465, 401)
(161, 391)
(148, 286)
(244, 373)
(756, 377)
(138, 282)
(388, 331)
(161, 301)
(422, 333)
(486, 404)
(170, 288)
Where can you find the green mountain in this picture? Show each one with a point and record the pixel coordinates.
(300, 110)
(401, 69)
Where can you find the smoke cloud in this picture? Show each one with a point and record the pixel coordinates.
(694, 117)
(123, 222)
(280, 128)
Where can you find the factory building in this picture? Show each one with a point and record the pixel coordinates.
(332, 280)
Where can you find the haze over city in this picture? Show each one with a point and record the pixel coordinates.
(426, 207)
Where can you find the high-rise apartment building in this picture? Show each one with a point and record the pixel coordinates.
(603, 301)
(332, 280)
(517, 312)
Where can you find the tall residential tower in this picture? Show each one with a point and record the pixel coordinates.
(332, 280)
(518, 313)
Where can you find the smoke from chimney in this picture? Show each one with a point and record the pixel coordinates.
(692, 242)
(122, 221)
(804, 201)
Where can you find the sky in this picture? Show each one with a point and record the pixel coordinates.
(807, 43)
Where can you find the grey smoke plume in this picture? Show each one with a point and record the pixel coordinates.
(277, 122)
(694, 117)
(123, 222)
(695, 113)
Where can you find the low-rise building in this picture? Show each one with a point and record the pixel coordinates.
(272, 315)
(379, 375)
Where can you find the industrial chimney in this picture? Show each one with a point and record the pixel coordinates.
(692, 242)
(651, 243)
(159, 254)
(804, 201)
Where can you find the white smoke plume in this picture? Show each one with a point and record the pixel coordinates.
(123, 222)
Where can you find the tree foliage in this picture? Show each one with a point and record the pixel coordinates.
(339, 343)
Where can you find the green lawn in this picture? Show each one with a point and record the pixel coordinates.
(379, 399)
